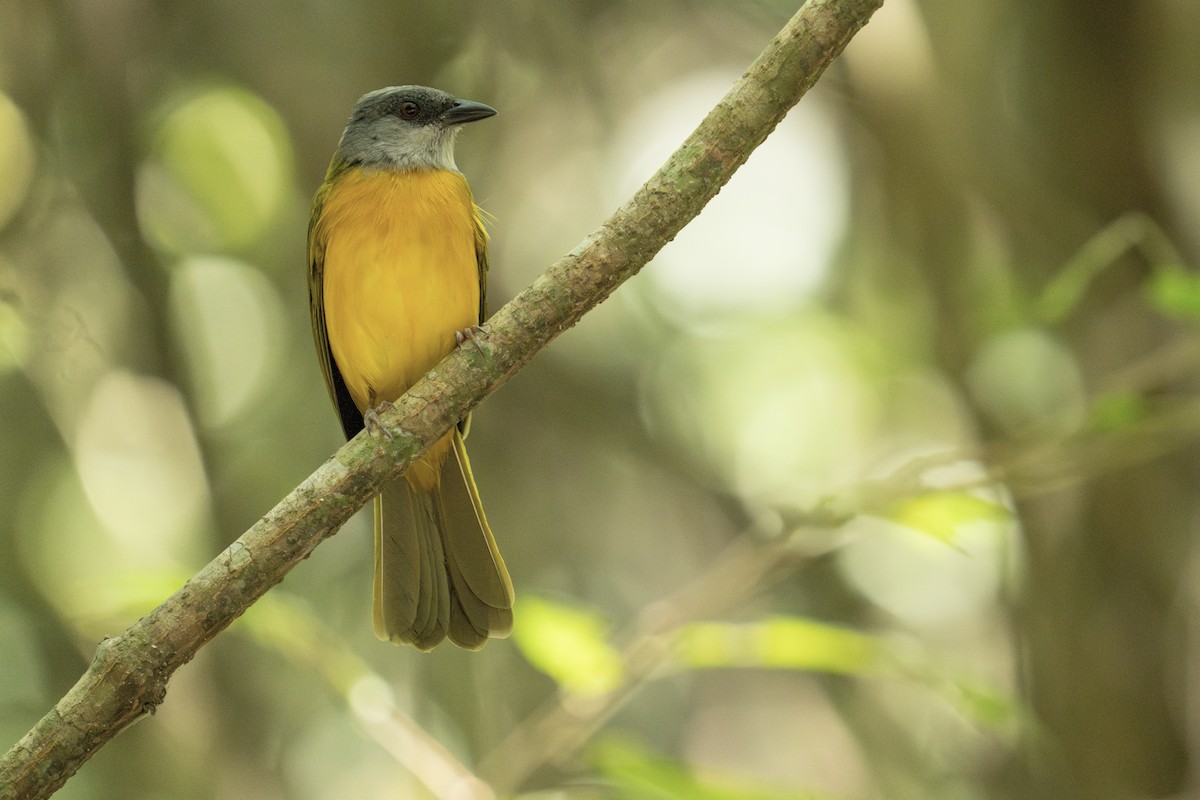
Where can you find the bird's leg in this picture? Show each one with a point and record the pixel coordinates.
(371, 420)
(473, 334)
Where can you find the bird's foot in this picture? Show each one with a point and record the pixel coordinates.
(373, 423)
(473, 334)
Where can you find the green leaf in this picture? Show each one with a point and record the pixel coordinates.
(568, 644)
(776, 643)
(1175, 293)
(1116, 411)
(986, 705)
(941, 514)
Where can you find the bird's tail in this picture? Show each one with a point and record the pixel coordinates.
(438, 572)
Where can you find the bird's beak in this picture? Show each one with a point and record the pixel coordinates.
(466, 111)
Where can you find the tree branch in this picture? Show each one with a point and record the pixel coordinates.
(128, 676)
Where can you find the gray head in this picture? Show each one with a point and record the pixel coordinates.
(407, 127)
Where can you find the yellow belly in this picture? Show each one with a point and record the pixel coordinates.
(401, 277)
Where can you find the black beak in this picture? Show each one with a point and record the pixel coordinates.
(466, 111)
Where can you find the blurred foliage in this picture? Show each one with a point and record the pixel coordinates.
(943, 514)
(637, 775)
(775, 643)
(568, 645)
(930, 360)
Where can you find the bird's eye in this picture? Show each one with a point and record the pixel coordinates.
(409, 109)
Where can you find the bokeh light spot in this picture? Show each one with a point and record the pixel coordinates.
(219, 172)
(1028, 382)
(139, 463)
(17, 159)
(780, 413)
(228, 319)
(920, 579)
(767, 239)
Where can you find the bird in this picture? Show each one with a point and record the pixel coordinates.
(398, 263)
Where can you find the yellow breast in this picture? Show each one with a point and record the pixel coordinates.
(401, 276)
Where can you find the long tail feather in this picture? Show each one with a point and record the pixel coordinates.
(438, 571)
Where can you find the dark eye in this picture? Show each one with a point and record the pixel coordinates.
(409, 109)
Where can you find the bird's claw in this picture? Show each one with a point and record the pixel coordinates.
(374, 424)
(474, 334)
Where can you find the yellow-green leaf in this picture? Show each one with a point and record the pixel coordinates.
(1118, 410)
(941, 514)
(776, 643)
(1175, 292)
(568, 644)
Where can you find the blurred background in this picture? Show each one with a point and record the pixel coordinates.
(878, 483)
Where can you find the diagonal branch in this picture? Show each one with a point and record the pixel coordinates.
(128, 676)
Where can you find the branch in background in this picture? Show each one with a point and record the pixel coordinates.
(128, 676)
(562, 727)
